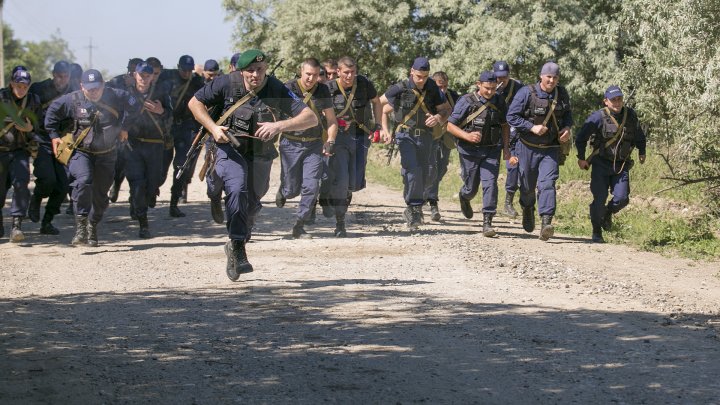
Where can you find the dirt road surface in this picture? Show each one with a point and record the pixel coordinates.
(439, 316)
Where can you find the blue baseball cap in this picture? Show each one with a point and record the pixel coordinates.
(613, 91)
(501, 68)
(91, 79)
(487, 76)
(550, 68)
(234, 58)
(143, 67)
(21, 75)
(186, 62)
(211, 65)
(422, 64)
(61, 67)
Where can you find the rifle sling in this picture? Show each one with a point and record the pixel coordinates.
(413, 111)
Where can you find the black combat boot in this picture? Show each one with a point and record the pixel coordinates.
(174, 210)
(92, 239)
(16, 233)
(46, 226)
(434, 211)
(509, 209)
(597, 236)
(546, 230)
(114, 192)
(279, 198)
(408, 215)
(417, 216)
(607, 219)
(216, 210)
(144, 232)
(340, 231)
(81, 231)
(237, 262)
(34, 207)
(488, 229)
(465, 207)
(298, 231)
(528, 220)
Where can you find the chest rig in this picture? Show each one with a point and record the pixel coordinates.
(485, 119)
(244, 120)
(616, 139)
(350, 106)
(547, 112)
(10, 137)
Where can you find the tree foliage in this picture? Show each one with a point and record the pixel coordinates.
(38, 57)
(665, 54)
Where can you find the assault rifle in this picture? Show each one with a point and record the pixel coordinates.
(392, 150)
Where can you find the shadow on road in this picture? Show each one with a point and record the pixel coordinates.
(346, 341)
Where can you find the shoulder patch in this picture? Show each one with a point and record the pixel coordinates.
(132, 100)
(293, 95)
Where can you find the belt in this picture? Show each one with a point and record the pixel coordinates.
(302, 138)
(96, 152)
(149, 140)
(414, 132)
(534, 145)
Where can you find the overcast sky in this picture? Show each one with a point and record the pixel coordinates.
(121, 30)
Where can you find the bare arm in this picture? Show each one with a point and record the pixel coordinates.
(306, 119)
(200, 112)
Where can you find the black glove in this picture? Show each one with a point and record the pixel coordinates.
(329, 148)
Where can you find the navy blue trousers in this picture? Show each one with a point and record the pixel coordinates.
(245, 181)
(539, 171)
(51, 180)
(605, 178)
(302, 167)
(481, 167)
(415, 156)
(143, 168)
(15, 173)
(438, 169)
(362, 147)
(91, 176)
(341, 172)
(183, 133)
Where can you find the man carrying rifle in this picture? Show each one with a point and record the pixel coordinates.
(255, 107)
(613, 132)
(301, 152)
(417, 106)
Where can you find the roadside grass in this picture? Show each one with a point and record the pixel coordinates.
(671, 222)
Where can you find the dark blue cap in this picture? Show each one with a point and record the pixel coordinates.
(143, 67)
(501, 68)
(422, 64)
(75, 71)
(186, 62)
(91, 79)
(133, 62)
(211, 65)
(234, 59)
(21, 75)
(550, 68)
(18, 67)
(613, 91)
(487, 76)
(61, 67)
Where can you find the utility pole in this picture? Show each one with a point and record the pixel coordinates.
(90, 49)
(2, 47)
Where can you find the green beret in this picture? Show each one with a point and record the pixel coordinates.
(248, 57)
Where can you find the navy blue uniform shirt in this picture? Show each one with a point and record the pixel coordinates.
(181, 91)
(320, 100)
(433, 98)
(594, 126)
(516, 110)
(462, 110)
(144, 126)
(48, 93)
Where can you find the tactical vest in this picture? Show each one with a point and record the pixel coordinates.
(244, 120)
(316, 131)
(359, 102)
(11, 139)
(487, 122)
(537, 111)
(621, 148)
(104, 133)
(404, 103)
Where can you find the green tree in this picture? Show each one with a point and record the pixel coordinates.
(38, 57)
(674, 66)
